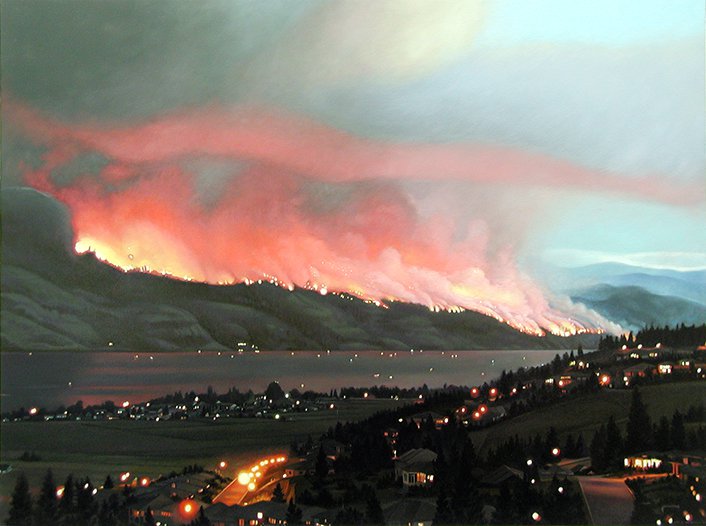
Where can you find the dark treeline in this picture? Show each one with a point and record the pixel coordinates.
(515, 451)
(460, 497)
(610, 445)
(679, 336)
(77, 505)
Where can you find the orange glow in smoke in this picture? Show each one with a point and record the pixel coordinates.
(146, 211)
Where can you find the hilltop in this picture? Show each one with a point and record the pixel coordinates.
(53, 299)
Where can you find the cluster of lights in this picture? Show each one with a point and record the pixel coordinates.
(248, 478)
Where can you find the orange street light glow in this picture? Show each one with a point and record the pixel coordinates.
(251, 486)
(145, 481)
(222, 464)
(33, 411)
(244, 478)
(187, 508)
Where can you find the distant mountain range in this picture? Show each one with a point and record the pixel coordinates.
(53, 299)
(635, 307)
(635, 297)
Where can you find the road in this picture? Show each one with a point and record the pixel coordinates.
(241, 492)
(609, 500)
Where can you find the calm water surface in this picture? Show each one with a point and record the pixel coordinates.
(52, 379)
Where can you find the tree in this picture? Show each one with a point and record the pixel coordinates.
(465, 499)
(274, 392)
(613, 450)
(47, 506)
(443, 514)
(149, 517)
(201, 519)
(678, 433)
(373, 511)
(597, 449)
(294, 514)
(580, 446)
(579, 351)
(639, 426)
(21, 505)
(66, 504)
(108, 484)
(85, 503)
(662, 438)
(321, 467)
(278, 494)
(349, 516)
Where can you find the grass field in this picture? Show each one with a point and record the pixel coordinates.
(96, 449)
(586, 414)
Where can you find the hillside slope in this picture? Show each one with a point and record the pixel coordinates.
(53, 299)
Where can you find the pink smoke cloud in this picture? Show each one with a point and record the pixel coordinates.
(141, 210)
(299, 145)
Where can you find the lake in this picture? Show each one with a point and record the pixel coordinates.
(50, 379)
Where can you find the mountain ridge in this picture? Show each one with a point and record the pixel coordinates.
(53, 299)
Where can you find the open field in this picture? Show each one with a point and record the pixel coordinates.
(96, 449)
(586, 414)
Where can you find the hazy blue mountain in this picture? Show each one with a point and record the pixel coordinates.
(53, 299)
(635, 307)
(689, 285)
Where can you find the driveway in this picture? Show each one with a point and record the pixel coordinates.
(609, 500)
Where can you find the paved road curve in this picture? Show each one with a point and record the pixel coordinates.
(270, 471)
(609, 500)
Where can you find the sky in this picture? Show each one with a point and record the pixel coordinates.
(449, 153)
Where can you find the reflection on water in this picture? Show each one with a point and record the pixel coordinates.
(52, 379)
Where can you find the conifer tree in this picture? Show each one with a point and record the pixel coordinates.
(21, 504)
(678, 433)
(47, 506)
(294, 514)
(639, 426)
(278, 494)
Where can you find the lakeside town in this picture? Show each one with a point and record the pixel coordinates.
(420, 464)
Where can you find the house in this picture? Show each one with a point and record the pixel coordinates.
(645, 461)
(416, 467)
(665, 367)
(332, 448)
(422, 418)
(410, 512)
(260, 513)
(300, 468)
(165, 510)
(640, 370)
(501, 475)
(418, 474)
(485, 415)
(686, 466)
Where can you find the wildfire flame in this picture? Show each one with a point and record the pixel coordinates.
(271, 220)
